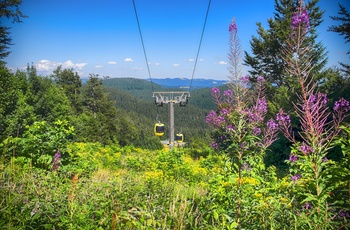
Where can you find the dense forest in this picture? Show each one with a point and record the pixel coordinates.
(266, 151)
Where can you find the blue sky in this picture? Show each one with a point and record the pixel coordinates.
(101, 37)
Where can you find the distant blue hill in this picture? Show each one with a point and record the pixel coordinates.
(185, 82)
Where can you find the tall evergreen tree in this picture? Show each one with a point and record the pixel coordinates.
(344, 30)
(266, 58)
(99, 113)
(8, 9)
(71, 85)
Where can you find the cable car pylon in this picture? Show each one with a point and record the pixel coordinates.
(171, 98)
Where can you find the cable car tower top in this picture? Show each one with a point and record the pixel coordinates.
(177, 97)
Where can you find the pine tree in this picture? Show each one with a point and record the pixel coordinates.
(344, 30)
(71, 84)
(267, 56)
(8, 9)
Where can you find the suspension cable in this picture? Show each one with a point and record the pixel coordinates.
(143, 45)
(200, 44)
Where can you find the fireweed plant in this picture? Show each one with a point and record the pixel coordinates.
(240, 129)
(310, 168)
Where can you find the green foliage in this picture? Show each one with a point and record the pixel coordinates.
(40, 142)
(71, 84)
(9, 10)
(334, 84)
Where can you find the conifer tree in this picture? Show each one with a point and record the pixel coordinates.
(71, 85)
(8, 9)
(267, 60)
(344, 30)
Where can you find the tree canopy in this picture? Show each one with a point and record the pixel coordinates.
(9, 9)
(344, 30)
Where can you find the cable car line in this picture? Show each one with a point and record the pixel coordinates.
(200, 44)
(143, 45)
(170, 98)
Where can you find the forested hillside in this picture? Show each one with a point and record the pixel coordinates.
(135, 97)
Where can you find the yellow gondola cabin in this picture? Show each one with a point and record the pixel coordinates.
(179, 137)
(159, 129)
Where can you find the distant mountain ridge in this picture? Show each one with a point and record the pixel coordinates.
(186, 83)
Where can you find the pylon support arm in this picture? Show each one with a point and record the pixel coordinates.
(177, 97)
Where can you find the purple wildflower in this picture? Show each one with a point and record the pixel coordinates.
(342, 105)
(307, 206)
(283, 118)
(324, 98)
(325, 159)
(229, 128)
(224, 111)
(343, 214)
(272, 125)
(245, 79)
(56, 160)
(211, 117)
(215, 91)
(300, 19)
(312, 99)
(228, 93)
(306, 149)
(222, 138)
(246, 166)
(293, 158)
(295, 178)
(262, 106)
(220, 120)
(253, 117)
(271, 132)
(232, 26)
(214, 120)
(214, 145)
(256, 131)
(260, 79)
(316, 100)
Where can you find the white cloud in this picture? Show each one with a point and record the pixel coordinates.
(201, 59)
(176, 65)
(157, 63)
(190, 60)
(79, 65)
(68, 64)
(112, 62)
(48, 66)
(98, 66)
(137, 68)
(128, 60)
(45, 65)
(222, 63)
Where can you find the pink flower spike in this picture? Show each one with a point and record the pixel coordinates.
(232, 26)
